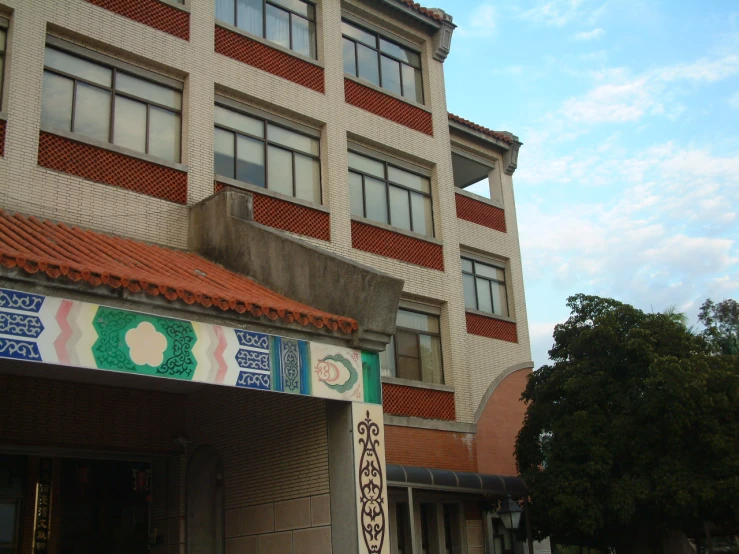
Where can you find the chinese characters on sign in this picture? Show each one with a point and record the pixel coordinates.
(43, 507)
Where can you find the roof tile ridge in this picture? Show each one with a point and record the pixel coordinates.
(30, 244)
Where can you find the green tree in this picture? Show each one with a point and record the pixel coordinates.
(721, 322)
(631, 432)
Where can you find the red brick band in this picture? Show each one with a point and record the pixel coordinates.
(105, 166)
(481, 213)
(418, 402)
(411, 446)
(397, 246)
(388, 107)
(268, 59)
(491, 327)
(152, 13)
(3, 124)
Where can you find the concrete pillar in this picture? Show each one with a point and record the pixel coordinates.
(205, 503)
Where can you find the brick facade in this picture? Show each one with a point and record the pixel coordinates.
(109, 167)
(481, 213)
(268, 59)
(388, 107)
(418, 402)
(2, 137)
(152, 13)
(396, 245)
(430, 448)
(491, 327)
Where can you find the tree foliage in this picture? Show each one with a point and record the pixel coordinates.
(721, 322)
(631, 431)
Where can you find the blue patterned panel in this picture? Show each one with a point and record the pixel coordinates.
(20, 325)
(252, 340)
(290, 365)
(253, 359)
(250, 380)
(23, 301)
(19, 349)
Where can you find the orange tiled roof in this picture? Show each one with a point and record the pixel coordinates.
(425, 11)
(64, 252)
(506, 137)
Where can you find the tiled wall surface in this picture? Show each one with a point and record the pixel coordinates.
(418, 402)
(481, 213)
(470, 362)
(431, 448)
(152, 13)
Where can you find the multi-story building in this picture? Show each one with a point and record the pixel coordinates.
(234, 233)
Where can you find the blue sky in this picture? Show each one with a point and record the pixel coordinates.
(628, 181)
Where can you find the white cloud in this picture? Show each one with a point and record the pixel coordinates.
(482, 22)
(734, 101)
(595, 34)
(559, 13)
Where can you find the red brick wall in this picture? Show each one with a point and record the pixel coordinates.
(396, 245)
(3, 124)
(388, 107)
(288, 216)
(418, 402)
(491, 327)
(429, 448)
(481, 213)
(268, 59)
(152, 13)
(112, 168)
(499, 424)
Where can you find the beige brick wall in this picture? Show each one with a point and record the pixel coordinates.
(470, 362)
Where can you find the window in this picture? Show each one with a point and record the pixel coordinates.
(477, 176)
(3, 45)
(415, 351)
(382, 62)
(484, 287)
(103, 102)
(383, 192)
(402, 528)
(289, 23)
(267, 155)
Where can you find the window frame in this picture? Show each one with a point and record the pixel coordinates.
(501, 266)
(5, 26)
(268, 120)
(115, 67)
(386, 162)
(290, 13)
(418, 334)
(378, 36)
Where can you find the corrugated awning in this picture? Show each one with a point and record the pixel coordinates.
(455, 481)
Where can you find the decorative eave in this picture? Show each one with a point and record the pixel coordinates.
(440, 22)
(504, 142)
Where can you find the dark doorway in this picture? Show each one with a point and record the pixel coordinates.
(104, 507)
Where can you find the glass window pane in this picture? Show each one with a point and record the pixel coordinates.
(249, 15)
(390, 75)
(223, 145)
(356, 33)
(148, 90)
(422, 217)
(3, 36)
(129, 126)
(486, 270)
(250, 160)
(2, 71)
(304, 36)
(467, 265)
(409, 368)
(278, 26)
(366, 165)
(164, 134)
(292, 139)
(387, 359)
(400, 212)
(418, 321)
(355, 194)
(484, 300)
(419, 85)
(408, 179)
(470, 301)
(500, 302)
(431, 359)
(280, 170)
(225, 11)
(399, 52)
(302, 8)
(92, 112)
(7, 522)
(78, 67)
(367, 64)
(56, 102)
(307, 179)
(240, 122)
(376, 199)
(407, 344)
(350, 59)
(410, 90)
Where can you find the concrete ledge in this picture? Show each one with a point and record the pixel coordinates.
(400, 97)
(266, 192)
(479, 198)
(398, 230)
(490, 315)
(433, 424)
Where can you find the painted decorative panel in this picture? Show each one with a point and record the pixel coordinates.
(60, 331)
